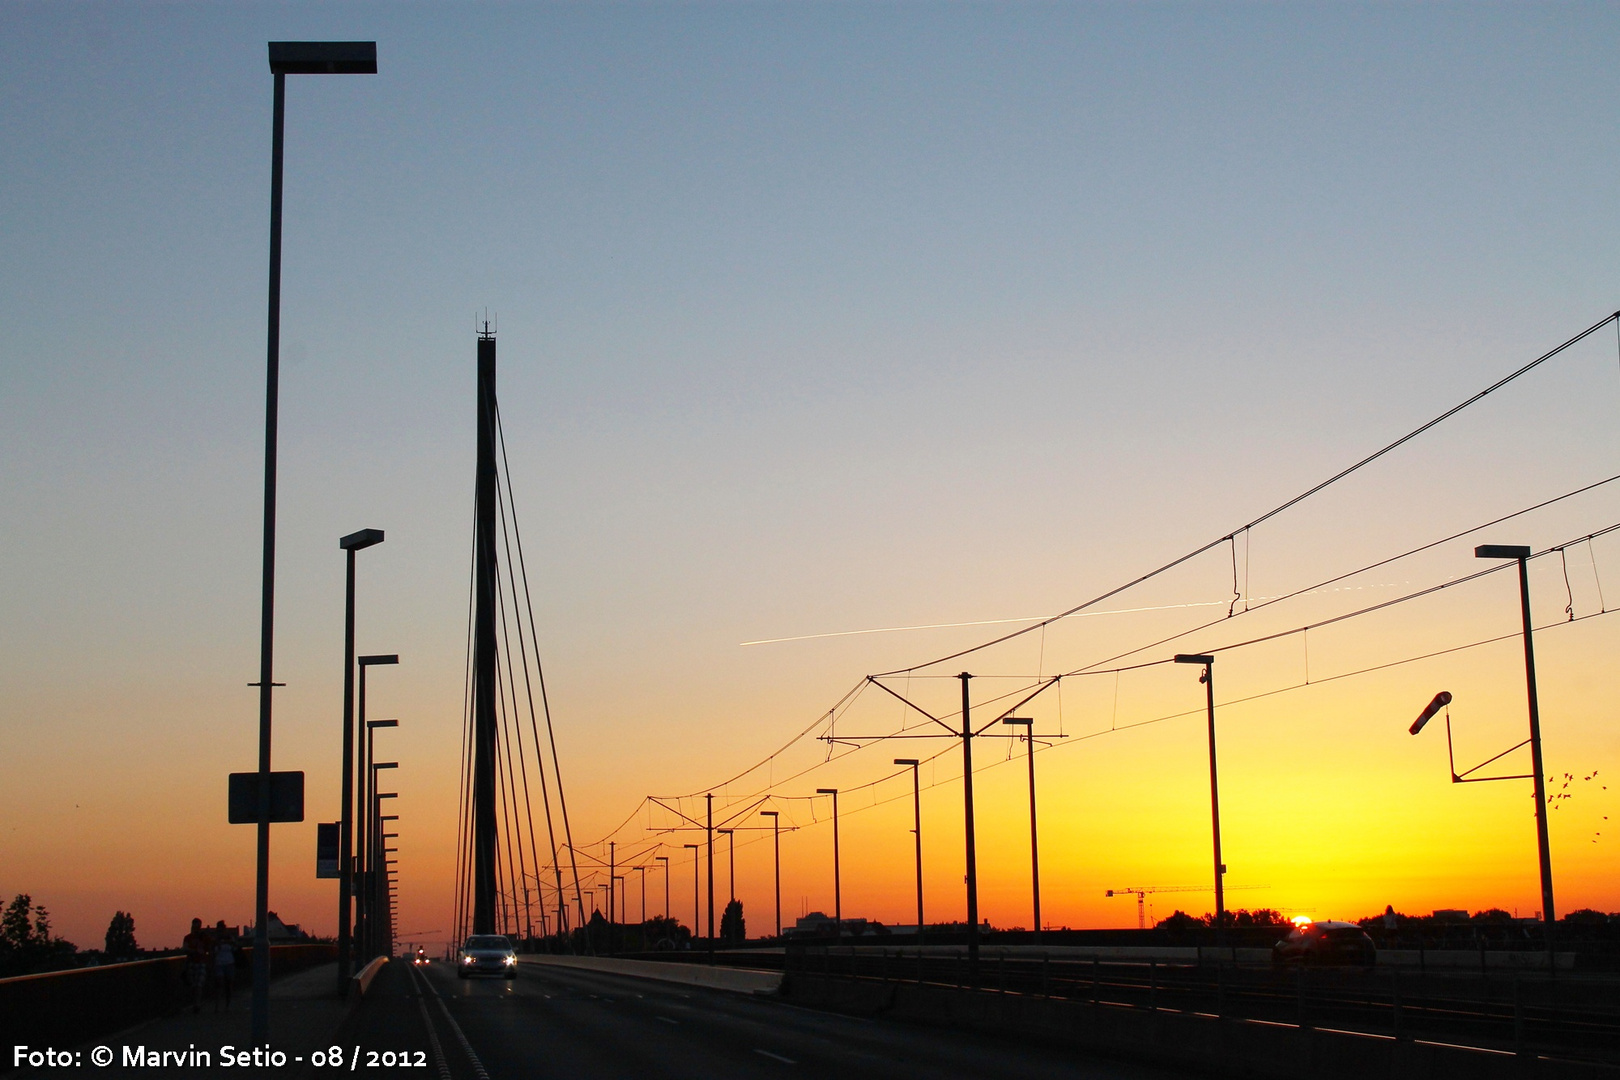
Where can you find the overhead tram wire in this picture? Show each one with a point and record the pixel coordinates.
(1370, 609)
(827, 718)
(1269, 514)
(1353, 573)
(545, 702)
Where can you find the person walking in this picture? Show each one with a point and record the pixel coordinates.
(196, 946)
(224, 965)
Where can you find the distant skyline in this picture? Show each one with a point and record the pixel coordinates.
(812, 319)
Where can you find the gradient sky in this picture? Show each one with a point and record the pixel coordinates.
(812, 318)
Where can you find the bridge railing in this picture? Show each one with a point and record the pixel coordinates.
(61, 1008)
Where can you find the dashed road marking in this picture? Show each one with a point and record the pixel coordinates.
(776, 1057)
(667, 1020)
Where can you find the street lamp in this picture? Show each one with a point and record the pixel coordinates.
(374, 843)
(642, 870)
(697, 911)
(1034, 843)
(731, 855)
(916, 828)
(838, 886)
(776, 844)
(1208, 679)
(363, 838)
(1543, 849)
(286, 58)
(349, 544)
(665, 860)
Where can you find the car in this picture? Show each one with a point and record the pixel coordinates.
(419, 958)
(1326, 942)
(486, 954)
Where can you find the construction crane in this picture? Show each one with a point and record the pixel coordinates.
(1141, 891)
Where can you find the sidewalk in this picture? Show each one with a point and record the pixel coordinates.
(305, 1014)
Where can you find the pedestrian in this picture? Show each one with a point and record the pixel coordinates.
(196, 946)
(224, 965)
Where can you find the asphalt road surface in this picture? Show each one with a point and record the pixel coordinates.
(561, 1022)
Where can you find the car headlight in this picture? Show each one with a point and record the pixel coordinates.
(466, 959)
(511, 959)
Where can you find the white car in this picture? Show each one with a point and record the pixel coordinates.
(486, 954)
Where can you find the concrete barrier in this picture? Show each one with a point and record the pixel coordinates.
(60, 1008)
(736, 980)
(1258, 1049)
(360, 981)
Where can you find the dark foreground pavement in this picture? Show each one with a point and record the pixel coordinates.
(579, 1025)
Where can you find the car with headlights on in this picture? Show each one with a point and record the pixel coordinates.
(486, 954)
(1326, 942)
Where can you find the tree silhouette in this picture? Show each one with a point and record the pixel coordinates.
(733, 931)
(26, 944)
(121, 937)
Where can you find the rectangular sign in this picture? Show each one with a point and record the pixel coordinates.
(286, 797)
(326, 849)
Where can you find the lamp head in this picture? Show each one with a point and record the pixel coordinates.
(1441, 700)
(907, 761)
(1194, 658)
(826, 791)
(385, 764)
(365, 538)
(1501, 551)
(769, 813)
(324, 58)
(382, 723)
(1023, 720)
(379, 658)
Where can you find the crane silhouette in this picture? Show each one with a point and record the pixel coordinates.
(1141, 892)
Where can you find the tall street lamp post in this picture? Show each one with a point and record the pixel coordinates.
(916, 828)
(286, 58)
(776, 846)
(731, 857)
(1543, 848)
(1208, 679)
(709, 826)
(697, 910)
(838, 884)
(665, 860)
(642, 870)
(350, 544)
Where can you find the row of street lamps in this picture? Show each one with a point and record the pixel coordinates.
(363, 849)
(1206, 677)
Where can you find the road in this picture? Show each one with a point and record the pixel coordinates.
(572, 1023)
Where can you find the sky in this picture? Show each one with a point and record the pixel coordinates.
(813, 318)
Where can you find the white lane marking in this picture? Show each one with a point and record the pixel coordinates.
(776, 1057)
(667, 1020)
(433, 1036)
(478, 1066)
